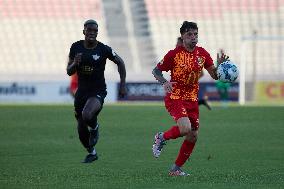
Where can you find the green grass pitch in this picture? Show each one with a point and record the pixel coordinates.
(238, 147)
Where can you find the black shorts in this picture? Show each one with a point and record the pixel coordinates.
(82, 97)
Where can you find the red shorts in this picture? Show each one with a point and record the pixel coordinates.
(183, 108)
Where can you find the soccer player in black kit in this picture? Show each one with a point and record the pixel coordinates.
(88, 58)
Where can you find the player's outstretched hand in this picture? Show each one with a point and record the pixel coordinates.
(221, 58)
(168, 86)
(122, 91)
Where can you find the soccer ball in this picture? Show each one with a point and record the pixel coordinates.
(227, 72)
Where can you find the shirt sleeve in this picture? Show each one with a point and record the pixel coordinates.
(167, 62)
(110, 54)
(72, 52)
(208, 60)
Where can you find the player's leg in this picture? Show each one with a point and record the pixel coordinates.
(178, 112)
(189, 142)
(83, 131)
(82, 126)
(184, 153)
(183, 126)
(90, 113)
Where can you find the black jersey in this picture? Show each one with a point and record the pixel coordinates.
(92, 66)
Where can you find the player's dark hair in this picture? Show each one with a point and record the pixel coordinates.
(90, 22)
(186, 26)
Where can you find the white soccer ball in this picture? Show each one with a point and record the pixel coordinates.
(227, 72)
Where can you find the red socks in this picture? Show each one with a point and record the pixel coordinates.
(185, 149)
(172, 133)
(184, 152)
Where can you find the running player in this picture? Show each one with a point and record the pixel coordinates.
(204, 100)
(185, 63)
(88, 59)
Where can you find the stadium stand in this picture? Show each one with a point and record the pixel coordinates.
(225, 24)
(36, 35)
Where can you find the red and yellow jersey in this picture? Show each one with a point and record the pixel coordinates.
(185, 69)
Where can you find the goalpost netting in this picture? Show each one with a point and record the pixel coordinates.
(262, 70)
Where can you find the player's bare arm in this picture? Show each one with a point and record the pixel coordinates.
(159, 75)
(122, 73)
(168, 86)
(71, 66)
(212, 70)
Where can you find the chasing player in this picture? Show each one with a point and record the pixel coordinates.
(88, 59)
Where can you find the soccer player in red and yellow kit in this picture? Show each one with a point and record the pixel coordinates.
(185, 64)
(202, 101)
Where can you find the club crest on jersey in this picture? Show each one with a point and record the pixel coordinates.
(96, 57)
(200, 61)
